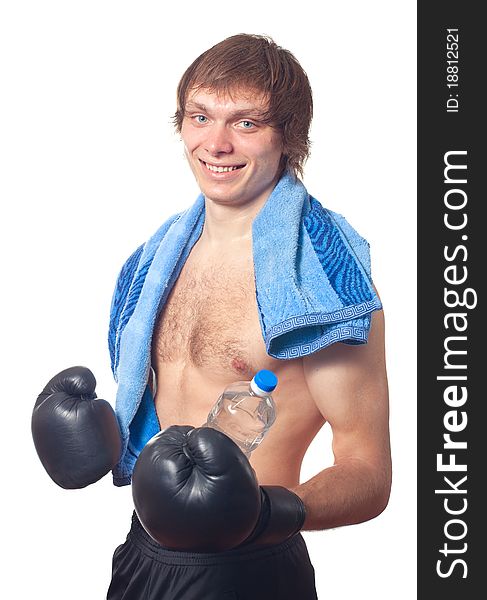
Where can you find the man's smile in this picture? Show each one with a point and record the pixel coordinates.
(220, 168)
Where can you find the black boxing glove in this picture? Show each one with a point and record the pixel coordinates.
(282, 514)
(195, 490)
(76, 434)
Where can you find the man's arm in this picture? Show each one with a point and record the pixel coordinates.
(349, 386)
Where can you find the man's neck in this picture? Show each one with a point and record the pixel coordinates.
(227, 226)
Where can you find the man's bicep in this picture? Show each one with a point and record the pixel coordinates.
(349, 386)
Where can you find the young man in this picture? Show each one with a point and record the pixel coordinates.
(256, 274)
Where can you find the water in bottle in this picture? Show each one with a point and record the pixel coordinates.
(246, 410)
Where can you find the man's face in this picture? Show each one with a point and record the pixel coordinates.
(234, 155)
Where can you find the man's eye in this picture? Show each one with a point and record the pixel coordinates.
(200, 119)
(247, 124)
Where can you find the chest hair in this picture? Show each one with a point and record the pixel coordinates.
(210, 318)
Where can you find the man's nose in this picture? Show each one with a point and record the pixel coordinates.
(218, 140)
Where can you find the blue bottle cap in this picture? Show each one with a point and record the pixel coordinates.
(265, 380)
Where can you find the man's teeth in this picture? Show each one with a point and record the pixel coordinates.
(219, 169)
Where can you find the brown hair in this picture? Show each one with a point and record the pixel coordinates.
(257, 63)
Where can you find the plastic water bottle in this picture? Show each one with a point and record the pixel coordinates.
(245, 411)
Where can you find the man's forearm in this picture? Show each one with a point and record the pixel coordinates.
(349, 492)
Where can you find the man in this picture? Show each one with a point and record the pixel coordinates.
(244, 110)
(255, 275)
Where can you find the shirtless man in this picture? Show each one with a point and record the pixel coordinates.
(209, 333)
(240, 146)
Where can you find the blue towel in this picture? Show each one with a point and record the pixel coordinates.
(313, 288)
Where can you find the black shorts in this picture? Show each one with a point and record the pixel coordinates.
(144, 570)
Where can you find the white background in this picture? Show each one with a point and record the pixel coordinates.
(90, 167)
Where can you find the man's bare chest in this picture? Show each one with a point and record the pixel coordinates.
(210, 319)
